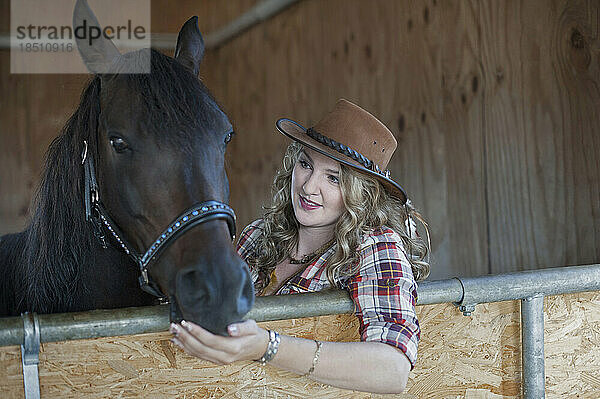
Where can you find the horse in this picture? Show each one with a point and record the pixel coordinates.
(133, 192)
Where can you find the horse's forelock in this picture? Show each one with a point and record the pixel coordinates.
(174, 101)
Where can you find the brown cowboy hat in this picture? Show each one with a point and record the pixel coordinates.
(352, 136)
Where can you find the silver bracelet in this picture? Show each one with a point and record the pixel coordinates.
(315, 359)
(274, 340)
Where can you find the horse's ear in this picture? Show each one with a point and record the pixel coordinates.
(97, 54)
(190, 46)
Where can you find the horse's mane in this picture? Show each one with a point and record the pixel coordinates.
(59, 240)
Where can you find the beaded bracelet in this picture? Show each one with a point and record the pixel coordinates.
(274, 340)
(315, 359)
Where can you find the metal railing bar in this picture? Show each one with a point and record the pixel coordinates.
(128, 321)
(519, 285)
(258, 13)
(255, 15)
(532, 347)
(147, 319)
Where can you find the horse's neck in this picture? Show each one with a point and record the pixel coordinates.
(84, 276)
(112, 280)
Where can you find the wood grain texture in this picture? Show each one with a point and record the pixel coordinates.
(472, 99)
(462, 127)
(30, 117)
(494, 106)
(303, 68)
(541, 124)
(459, 357)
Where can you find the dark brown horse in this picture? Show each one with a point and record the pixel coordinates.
(134, 186)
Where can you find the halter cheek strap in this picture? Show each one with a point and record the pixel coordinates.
(99, 217)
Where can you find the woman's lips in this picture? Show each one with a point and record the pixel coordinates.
(308, 205)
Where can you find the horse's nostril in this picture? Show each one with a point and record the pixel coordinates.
(215, 297)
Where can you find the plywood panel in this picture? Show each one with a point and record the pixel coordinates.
(16, 178)
(167, 17)
(459, 357)
(416, 115)
(503, 125)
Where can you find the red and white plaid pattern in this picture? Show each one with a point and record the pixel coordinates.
(384, 290)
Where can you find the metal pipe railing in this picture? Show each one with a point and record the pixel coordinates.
(258, 13)
(147, 319)
(532, 347)
(483, 289)
(255, 15)
(166, 41)
(529, 286)
(511, 286)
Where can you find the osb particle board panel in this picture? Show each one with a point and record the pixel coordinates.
(149, 365)
(459, 357)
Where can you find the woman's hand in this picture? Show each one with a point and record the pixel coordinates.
(363, 366)
(246, 341)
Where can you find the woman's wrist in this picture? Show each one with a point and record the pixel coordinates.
(315, 358)
(272, 347)
(262, 346)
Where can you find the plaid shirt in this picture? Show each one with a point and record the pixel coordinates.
(384, 290)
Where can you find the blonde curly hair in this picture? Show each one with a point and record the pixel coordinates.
(368, 206)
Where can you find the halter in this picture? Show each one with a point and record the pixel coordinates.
(98, 216)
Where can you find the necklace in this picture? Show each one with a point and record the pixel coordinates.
(307, 258)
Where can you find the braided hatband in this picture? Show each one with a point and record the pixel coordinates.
(347, 151)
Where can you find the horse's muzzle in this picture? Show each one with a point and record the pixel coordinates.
(213, 300)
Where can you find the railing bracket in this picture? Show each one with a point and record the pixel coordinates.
(466, 310)
(30, 355)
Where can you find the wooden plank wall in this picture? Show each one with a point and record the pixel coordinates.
(476, 357)
(33, 109)
(494, 105)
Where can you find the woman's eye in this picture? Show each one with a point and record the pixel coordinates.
(304, 164)
(334, 179)
(229, 137)
(118, 144)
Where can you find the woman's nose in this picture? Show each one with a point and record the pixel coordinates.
(311, 185)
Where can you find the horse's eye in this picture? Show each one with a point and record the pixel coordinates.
(118, 144)
(229, 137)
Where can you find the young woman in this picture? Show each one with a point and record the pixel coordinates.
(337, 219)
